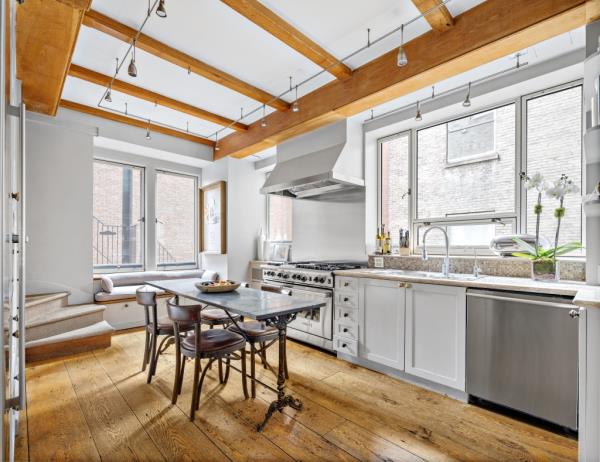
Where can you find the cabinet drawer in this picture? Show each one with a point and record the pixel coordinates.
(346, 300)
(346, 284)
(346, 331)
(349, 347)
(346, 315)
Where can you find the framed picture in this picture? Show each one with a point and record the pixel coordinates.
(213, 210)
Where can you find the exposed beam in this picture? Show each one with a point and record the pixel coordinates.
(78, 4)
(125, 33)
(439, 18)
(138, 92)
(46, 34)
(264, 18)
(133, 122)
(489, 31)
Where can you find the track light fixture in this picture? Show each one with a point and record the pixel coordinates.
(263, 121)
(467, 101)
(217, 148)
(161, 11)
(296, 106)
(107, 96)
(402, 59)
(148, 136)
(418, 115)
(132, 68)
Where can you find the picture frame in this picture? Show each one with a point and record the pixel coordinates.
(213, 213)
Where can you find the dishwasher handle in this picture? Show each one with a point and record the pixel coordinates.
(523, 300)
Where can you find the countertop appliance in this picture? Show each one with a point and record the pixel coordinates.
(522, 353)
(311, 279)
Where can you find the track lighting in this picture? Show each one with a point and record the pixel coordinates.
(402, 59)
(263, 121)
(107, 96)
(217, 148)
(148, 136)
(418, 115)
(296, 106)
(467, 101)
(132, 69)
(161, 12)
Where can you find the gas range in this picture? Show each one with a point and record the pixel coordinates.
(308, 273)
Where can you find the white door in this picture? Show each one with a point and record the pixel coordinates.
(436, 318)
(381, 316)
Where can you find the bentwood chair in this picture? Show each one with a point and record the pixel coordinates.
(155, 328)
(211, 344)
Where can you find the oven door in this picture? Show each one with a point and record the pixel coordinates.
(319, 321)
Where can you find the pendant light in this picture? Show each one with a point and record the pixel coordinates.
(263, 121)
(418, 115)
(296, 106)
(161, 11)
(467, 101)
(217, 148)
(402, 59)
(148, 136)
(132, 69)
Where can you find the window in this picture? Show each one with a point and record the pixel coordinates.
(395, 187)
(463, 174)
(118, 220)
(486, 187)
(175, 219)
(279, 215)
(471, 138)
(553, 147)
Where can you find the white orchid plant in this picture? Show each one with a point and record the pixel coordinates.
(556, 190)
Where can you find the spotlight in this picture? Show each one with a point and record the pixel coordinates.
(148, 136)
(161, 11)
(418, 115)
(296, 106)
(467, 101)
(132, 68)
(107, 96)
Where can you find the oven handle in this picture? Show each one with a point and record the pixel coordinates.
(311, 293)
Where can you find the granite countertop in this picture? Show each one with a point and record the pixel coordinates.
(588, 293)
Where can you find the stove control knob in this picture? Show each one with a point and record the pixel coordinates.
(294, 276)
(279, 275)
(285, 276)
(303, 278)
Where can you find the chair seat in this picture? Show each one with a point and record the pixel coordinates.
(165, 326)
(214, 340)
(255, 329)
(216, 315)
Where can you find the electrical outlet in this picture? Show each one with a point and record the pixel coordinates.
(378, 262)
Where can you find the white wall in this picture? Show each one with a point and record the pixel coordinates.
(59, 209)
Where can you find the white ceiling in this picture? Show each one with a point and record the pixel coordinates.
(212, 32)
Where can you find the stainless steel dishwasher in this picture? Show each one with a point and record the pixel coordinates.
(522, 353)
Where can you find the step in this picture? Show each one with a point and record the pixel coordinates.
(87, 338)
(55, 300)
(40, 324)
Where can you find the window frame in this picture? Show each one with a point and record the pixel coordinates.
(107, 269)
(518, 217)
(184, 265)
(482, 157)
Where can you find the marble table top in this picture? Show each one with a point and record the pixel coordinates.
(251, 303)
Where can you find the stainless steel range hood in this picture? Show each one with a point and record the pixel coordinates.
(326, 161)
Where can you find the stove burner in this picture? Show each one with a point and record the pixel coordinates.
(327, 266)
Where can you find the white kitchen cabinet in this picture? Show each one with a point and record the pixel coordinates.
(436, 333)
(381, 322)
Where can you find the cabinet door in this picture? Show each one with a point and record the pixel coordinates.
(436, 333)
(381, 329)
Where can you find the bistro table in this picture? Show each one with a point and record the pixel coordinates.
(275, 309)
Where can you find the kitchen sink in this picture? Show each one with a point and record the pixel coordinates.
(428, 274)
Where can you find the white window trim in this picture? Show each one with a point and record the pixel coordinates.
(185, 265)
(519, 217)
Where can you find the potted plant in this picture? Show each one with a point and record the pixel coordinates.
(544, 266)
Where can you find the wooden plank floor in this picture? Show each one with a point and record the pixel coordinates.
(97, 406)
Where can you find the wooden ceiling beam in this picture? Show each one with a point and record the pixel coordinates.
(46, 34)
(266, 19)
(125, 33)
(436, 14)
(118, 85)
(489, 31)
(94, 111)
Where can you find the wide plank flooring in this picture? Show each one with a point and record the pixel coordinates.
(97, 406)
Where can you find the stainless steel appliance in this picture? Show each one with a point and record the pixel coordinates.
(522, 353)
(310, 279)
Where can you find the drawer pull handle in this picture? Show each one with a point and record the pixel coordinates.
(346, 299)
(346, 284)
(345, 315)
(344, 345)
(574, 313)
(345, 329)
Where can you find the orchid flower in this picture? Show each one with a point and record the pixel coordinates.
(536, 181)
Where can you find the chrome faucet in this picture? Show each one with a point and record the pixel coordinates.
(424, 256)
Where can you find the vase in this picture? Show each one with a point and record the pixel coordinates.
(545, 270)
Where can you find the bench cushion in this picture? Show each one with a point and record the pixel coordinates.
(122, 293)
